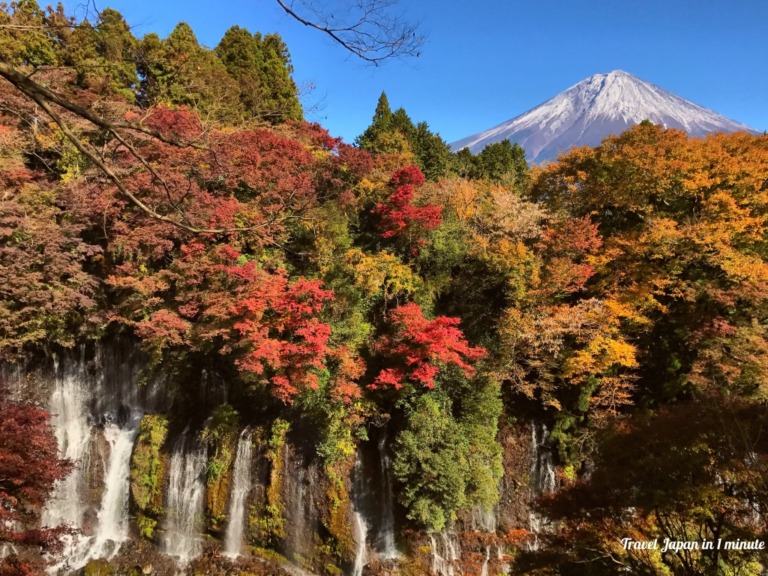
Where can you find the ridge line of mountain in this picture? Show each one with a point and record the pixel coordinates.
(594, 108)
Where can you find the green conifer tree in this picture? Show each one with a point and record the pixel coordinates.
(431, 152)
(502, 161)
(241, 55)
(24, 39)
(381, 123)
(403, 124)
(116, 51)
(179, 71)
(279, 94)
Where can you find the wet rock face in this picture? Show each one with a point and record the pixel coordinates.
(95, 469)
(513, 510)
(281, 507)
(300, 495)
(136, 557)
(28, 383)
(373, 496)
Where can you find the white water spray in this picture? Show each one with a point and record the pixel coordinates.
(386, 545)
(241, 479)
(185, 500)
(543, 479)
(445, 552)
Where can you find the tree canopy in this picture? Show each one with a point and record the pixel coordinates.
(157, 189)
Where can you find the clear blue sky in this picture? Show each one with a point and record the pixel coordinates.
(486, 61)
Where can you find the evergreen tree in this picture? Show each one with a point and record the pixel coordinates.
(179, 67)
(433, 155)
(179, 71)
(279, 94)
(431, 152)
(241, 55)
(381, 123)
(152, 69)
(116, 51)
(24, 39)
(78, 50)
(383, 113)
(502, 161)
(465, 163)
(403, 124)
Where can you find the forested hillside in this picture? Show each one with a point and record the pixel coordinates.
(522, 366)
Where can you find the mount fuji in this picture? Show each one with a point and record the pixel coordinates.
(594, 108)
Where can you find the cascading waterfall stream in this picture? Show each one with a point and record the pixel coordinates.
(483, 519)
(113, 516)
(185, 499)
(359, 531)
(385, 543)
(359, 525)
(233, 538)
(445, 551)
(69, 417)
(299, 493)
(93, 403)
(484, 568)
(543, 479)
(295, 544)
(112, 527)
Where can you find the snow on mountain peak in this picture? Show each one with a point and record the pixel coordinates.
(594, 108)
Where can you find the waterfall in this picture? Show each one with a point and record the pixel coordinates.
(112, 528)
(542, 478)
(293, 481)
(360, 531)
(359, 525)
(241, 485)
(6, 549)
(95, 411)
(113, 517)
(185, 499)
(445, 551)
(69, 417)
(385, 542)
(483, 520)
(298, 493)
(542, 467)
(484, 568)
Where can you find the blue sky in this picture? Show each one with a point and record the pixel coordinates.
(486, 61)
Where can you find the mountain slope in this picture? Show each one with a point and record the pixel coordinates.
(594, 108)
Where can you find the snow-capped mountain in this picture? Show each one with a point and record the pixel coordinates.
(594, 108)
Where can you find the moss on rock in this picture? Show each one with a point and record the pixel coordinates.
(270, 525)
(148, 470)
(221, 433)
(338, 507)
(99, 567)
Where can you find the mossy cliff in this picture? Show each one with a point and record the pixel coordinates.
(269, 526)
(221, 433)
(148, 471)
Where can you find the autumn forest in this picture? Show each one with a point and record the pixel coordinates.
(384, 305)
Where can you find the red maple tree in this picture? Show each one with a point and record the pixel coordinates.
(400, 217)
(419, 348)
(29, 467)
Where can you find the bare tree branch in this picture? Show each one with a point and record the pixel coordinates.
(29, 87)
(369, 29)
(46, 99)
(366, 28)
